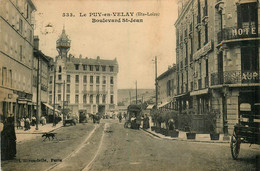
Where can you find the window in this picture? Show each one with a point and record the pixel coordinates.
(76, 66)
(51, 77)
(68, 88)
(103, 68)
(77, 79)
(91, 79)
(97, 79)
(21, 25)
(199, 14)
(59, 97)
(97, 67)
(97, 99)
(91, 87)
(247, 15)
(84, 67)
(111, 89)
(199, 41)
(111, 80)
(104, 80)
(206, 34)
(84, 87)
(59, 77)
(85, 79)
(84, 99)
(91, 67)
(103, 88)
(59, 69)
(10, 78)
(68, 78)
(249, 59)
(76, 88)
(91, 99)
(4, 76)
(97, 88)
(21, 52)
(111, 99)
(111, 68)
(59, 88)
(104, 99)
(50, 99)
(68, 98)
(76, 98)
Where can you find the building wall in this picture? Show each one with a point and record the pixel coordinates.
(16, 51)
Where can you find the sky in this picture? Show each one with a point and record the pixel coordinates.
(134, 45)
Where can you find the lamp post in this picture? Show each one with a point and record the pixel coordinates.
(37, 93)
(136, 92)
(63, 102)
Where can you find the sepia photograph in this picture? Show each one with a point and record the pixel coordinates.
(156, 85)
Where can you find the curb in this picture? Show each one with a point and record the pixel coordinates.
(40, 132)
(170, 138)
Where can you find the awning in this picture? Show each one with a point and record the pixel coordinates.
(49, 106)
(199, 92)
(163, 104)
(149, 107)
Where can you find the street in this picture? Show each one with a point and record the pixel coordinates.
(109, 146)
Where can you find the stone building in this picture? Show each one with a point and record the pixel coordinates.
(16, 55)
(90, 84)
(217, 57)
(41, 65)
(167, 88)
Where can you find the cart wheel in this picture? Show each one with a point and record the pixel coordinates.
(235, 145)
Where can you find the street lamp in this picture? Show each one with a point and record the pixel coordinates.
(156, 83)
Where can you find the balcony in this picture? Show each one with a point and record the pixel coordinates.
(235, 77)
(232, 33)
(94, 92)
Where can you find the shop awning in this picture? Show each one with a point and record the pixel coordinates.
(163, 104)
(199, 92)
(150, 107)
(50, 107)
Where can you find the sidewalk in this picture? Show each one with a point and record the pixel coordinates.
(182, 137)
(22, 135)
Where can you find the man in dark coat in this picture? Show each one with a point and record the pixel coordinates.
(8, 140)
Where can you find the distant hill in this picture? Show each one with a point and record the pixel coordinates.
(123, 95)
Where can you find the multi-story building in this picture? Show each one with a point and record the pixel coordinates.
(167, 88)
(84, 84)
(41, 65)
(217, 56)
(16, 55)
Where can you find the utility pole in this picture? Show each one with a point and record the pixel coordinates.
(156, 84)
(37, 93)
(63, 102)
(54, 92)
(130, 96)
(136, 92)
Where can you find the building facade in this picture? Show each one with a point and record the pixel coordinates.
(16, 55)
(82, 84)
(217, 57)
(167, 89)
(41, 66)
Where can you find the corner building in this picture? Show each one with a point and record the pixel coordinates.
(217, 56)
(83, 84)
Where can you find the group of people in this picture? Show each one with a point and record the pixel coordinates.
(25, 123)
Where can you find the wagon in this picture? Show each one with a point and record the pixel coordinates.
(247, 130)
(133, 118)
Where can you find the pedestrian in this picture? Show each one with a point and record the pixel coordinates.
(120, 117)
(146, 122)
(171, 124)
(8, 140)
(22, 123)
(27, 124)
(33, 121)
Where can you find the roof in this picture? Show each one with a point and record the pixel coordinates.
(166, 73)
(63, 37)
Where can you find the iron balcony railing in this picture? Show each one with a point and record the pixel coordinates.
(231, 33)
(235, 77)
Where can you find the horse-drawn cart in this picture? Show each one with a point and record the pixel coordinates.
(247, 130)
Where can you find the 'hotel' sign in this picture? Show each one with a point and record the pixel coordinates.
(243, 32)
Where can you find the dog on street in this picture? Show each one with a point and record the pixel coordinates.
(49, 135)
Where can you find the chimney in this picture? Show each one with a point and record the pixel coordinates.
(36, 42)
